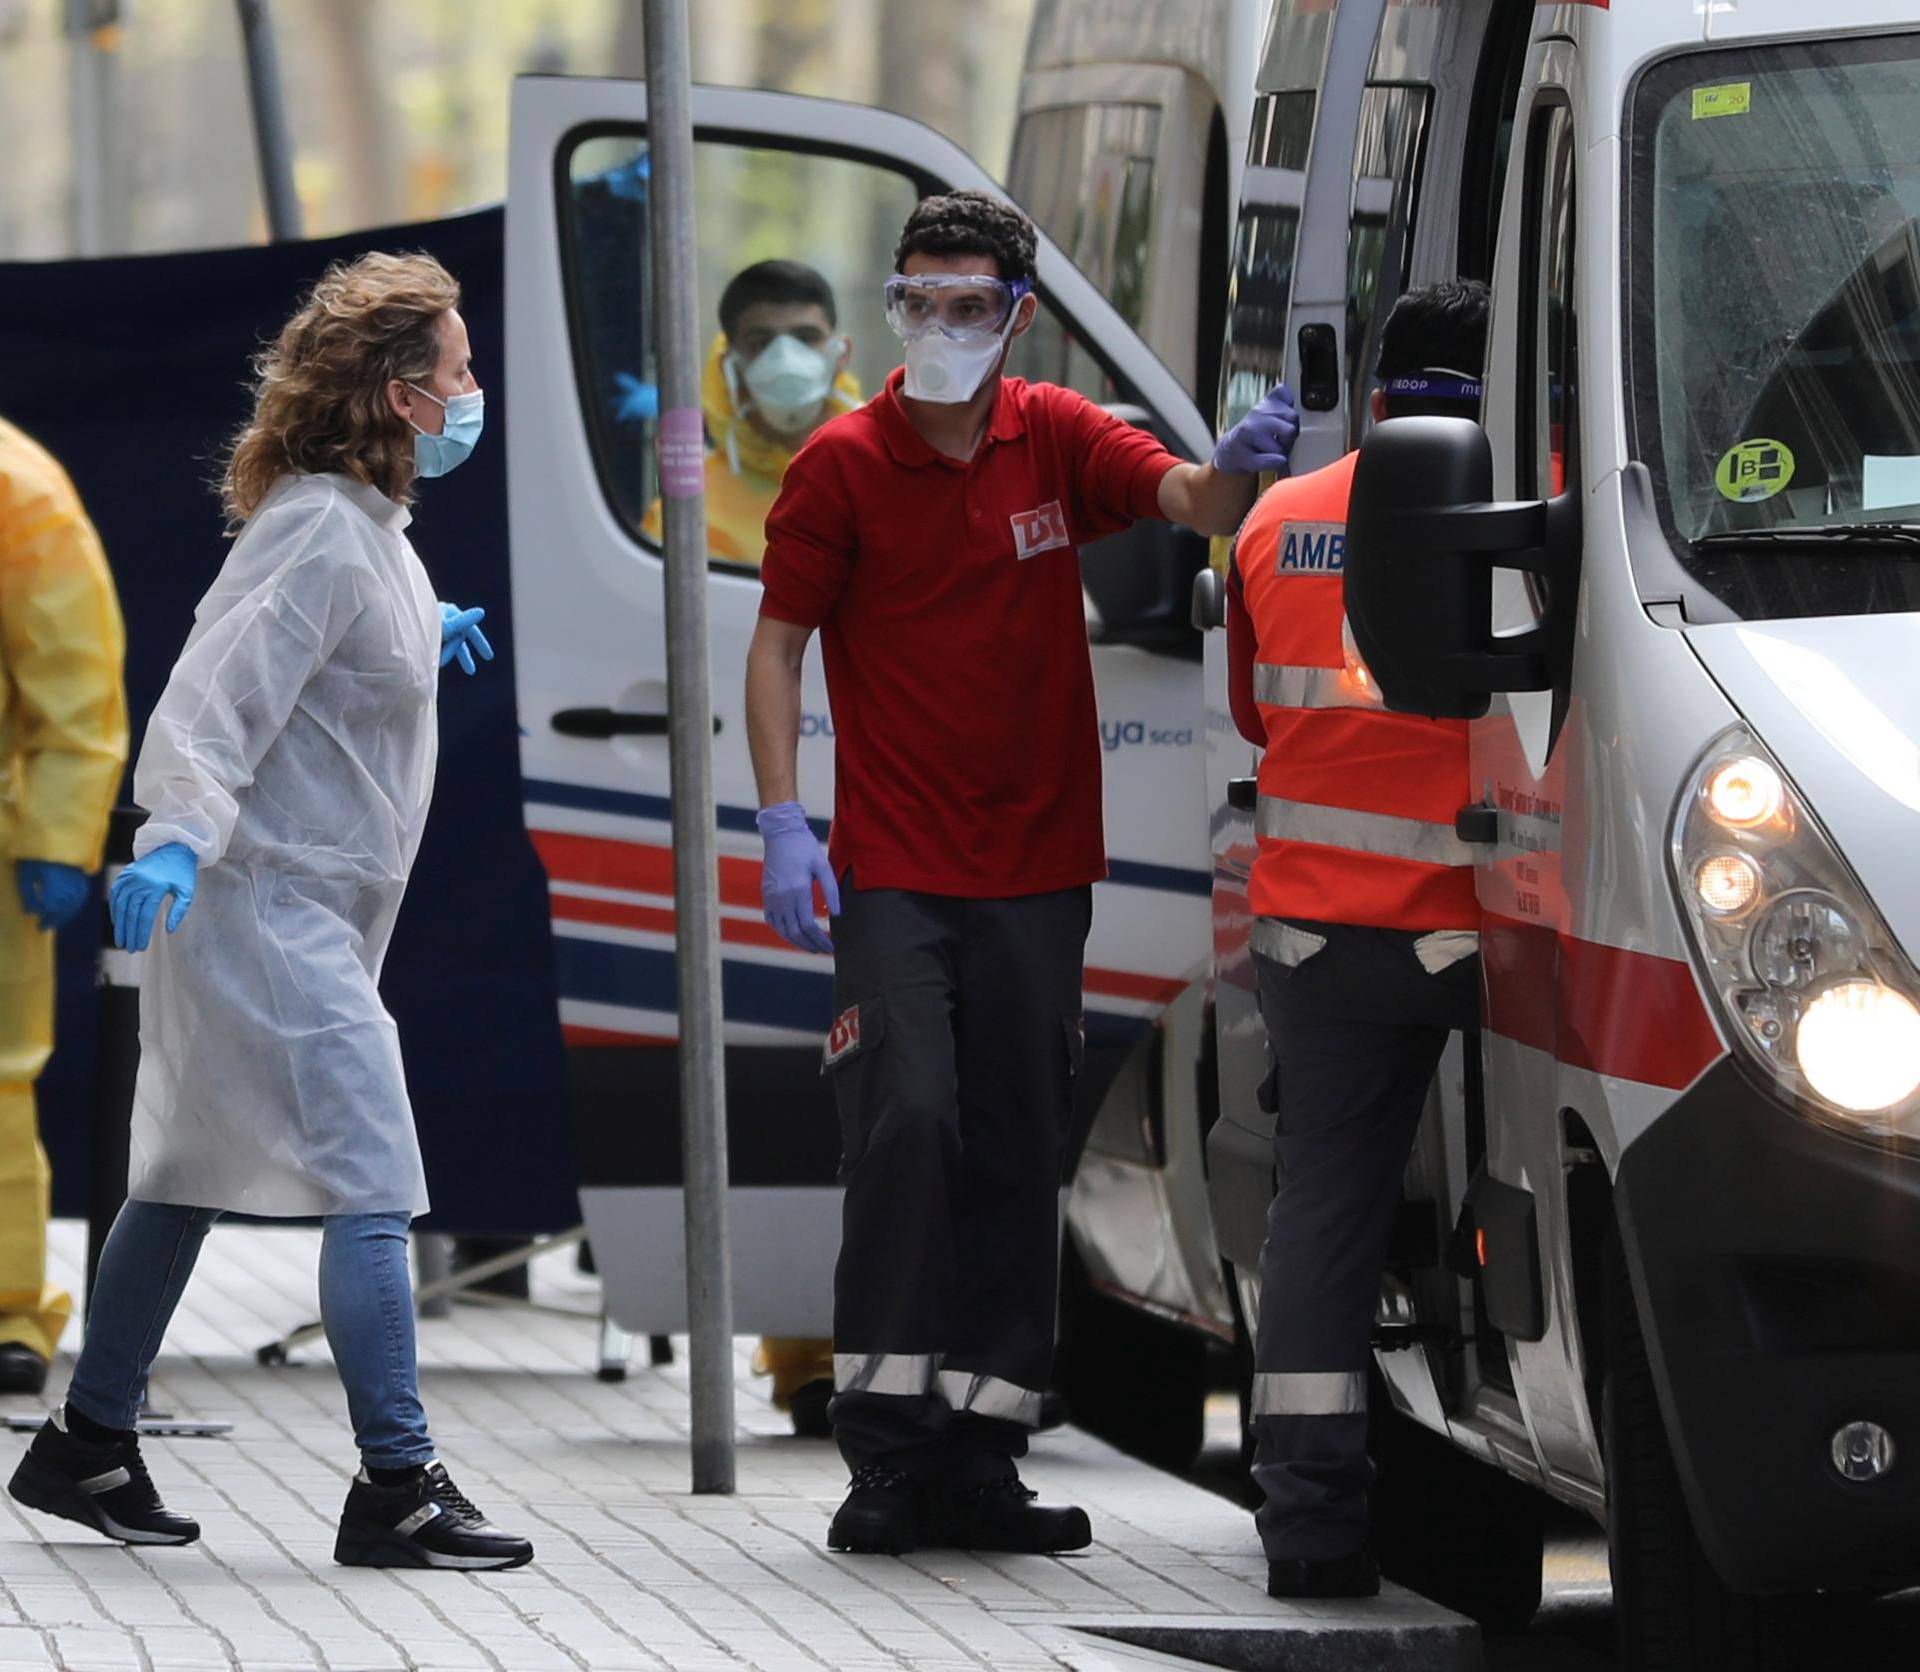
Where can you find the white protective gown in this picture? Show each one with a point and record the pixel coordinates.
(293, 750)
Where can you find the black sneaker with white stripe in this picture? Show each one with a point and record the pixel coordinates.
(429, 1522)
(105, 1487)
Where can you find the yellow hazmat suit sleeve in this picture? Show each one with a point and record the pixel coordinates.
(63, 709)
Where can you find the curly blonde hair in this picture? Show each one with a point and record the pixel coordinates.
(320, 391)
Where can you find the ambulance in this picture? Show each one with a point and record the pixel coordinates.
(1659, 1257)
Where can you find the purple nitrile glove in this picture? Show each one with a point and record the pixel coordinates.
(1263, 439)
(142, 888)
(795, 861)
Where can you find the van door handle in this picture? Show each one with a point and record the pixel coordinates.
(1478, 822)
(1243, 794)
(612, 722)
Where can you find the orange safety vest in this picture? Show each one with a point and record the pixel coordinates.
(1356, 807)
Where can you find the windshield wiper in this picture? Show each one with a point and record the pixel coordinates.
(1838, 534)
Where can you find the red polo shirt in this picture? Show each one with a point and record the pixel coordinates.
(947, 595)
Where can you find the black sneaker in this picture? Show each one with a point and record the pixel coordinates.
(1002, 1515)
(105, 1487)
(1357, 1575)
(429, 1522)
(22, 1370)
(882, 1515)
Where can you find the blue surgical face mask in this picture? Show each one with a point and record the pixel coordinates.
(435, 455)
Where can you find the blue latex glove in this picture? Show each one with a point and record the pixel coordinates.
(138, 892)
(460, 636)
(636, 401)
(52, 892)
(795, 861)
(1263, 439)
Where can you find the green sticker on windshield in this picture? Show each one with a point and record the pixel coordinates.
(1752, 470)
(1733, 98)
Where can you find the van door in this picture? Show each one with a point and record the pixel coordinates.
(828, 185)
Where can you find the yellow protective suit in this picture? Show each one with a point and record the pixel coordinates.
(63, 746)
(745, 466)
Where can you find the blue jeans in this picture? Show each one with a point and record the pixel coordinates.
(366, 1303)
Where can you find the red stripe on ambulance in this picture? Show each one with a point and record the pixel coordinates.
(1631, 1015)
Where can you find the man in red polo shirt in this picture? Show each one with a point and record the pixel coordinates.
(932, 538)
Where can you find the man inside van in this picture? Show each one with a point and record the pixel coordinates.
(932, 539)
(1366, 949)
(776, 372)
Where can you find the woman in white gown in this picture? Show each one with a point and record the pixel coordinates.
(286, 773)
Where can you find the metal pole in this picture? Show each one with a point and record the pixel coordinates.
(703, 1090)
(270, 135)
(89, 29)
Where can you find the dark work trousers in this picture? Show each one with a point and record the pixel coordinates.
(1357, 1029)
(953, 1057)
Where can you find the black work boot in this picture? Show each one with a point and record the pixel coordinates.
(22, 1370)
(103, 1486)
(884, 1514)
(1357, 1575)
(999, 1513)
(427, 1522)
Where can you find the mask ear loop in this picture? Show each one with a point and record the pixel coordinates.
(730, 370)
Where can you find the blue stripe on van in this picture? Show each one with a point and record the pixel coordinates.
(1130, 873)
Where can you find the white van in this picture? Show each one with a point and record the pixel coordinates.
(1661, 1251)
(829, 185)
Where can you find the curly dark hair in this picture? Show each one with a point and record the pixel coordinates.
(970, 223)
(1443, 324)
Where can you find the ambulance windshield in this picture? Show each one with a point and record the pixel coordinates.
(1776, 300)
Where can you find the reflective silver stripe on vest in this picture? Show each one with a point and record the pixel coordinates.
(989, 1396)
(1283, 943)
(1309, 1393)
(1282, 685)
(1342, 827)
(900, 1373)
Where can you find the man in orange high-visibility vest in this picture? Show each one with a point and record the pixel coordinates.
(1366, 947)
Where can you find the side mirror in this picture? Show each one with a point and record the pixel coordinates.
(1209, 600)
(1139, 583)
(1423, 539)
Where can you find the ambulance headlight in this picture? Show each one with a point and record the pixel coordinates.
(1860, 1046)
(1810, 986)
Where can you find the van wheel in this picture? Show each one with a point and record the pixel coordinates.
(1136, 1381)
(1672, 1613)
(1451, 1527)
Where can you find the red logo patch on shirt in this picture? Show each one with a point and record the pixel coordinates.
(1040, 530)
(843, 1038)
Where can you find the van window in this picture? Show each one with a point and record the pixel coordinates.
(1550, 320)
(1775, 270)
(830, 223)
(1483, 176)
(1086, 175)
(1255, 352)
(1386, 185)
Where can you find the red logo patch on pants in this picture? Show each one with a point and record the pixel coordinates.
(843, 1038)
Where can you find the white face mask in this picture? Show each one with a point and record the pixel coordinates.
(949, 370)
(789, 382)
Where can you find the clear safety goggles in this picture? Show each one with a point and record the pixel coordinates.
(958, 304)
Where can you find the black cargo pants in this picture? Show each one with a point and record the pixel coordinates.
(953, 1054)
(1357, 1025)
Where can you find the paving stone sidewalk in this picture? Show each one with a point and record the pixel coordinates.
(630, 1570)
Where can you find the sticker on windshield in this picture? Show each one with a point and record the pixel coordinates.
(1753, 470)
(1733, 98)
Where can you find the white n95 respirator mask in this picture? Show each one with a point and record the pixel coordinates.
(789, 382)
(955, 328)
